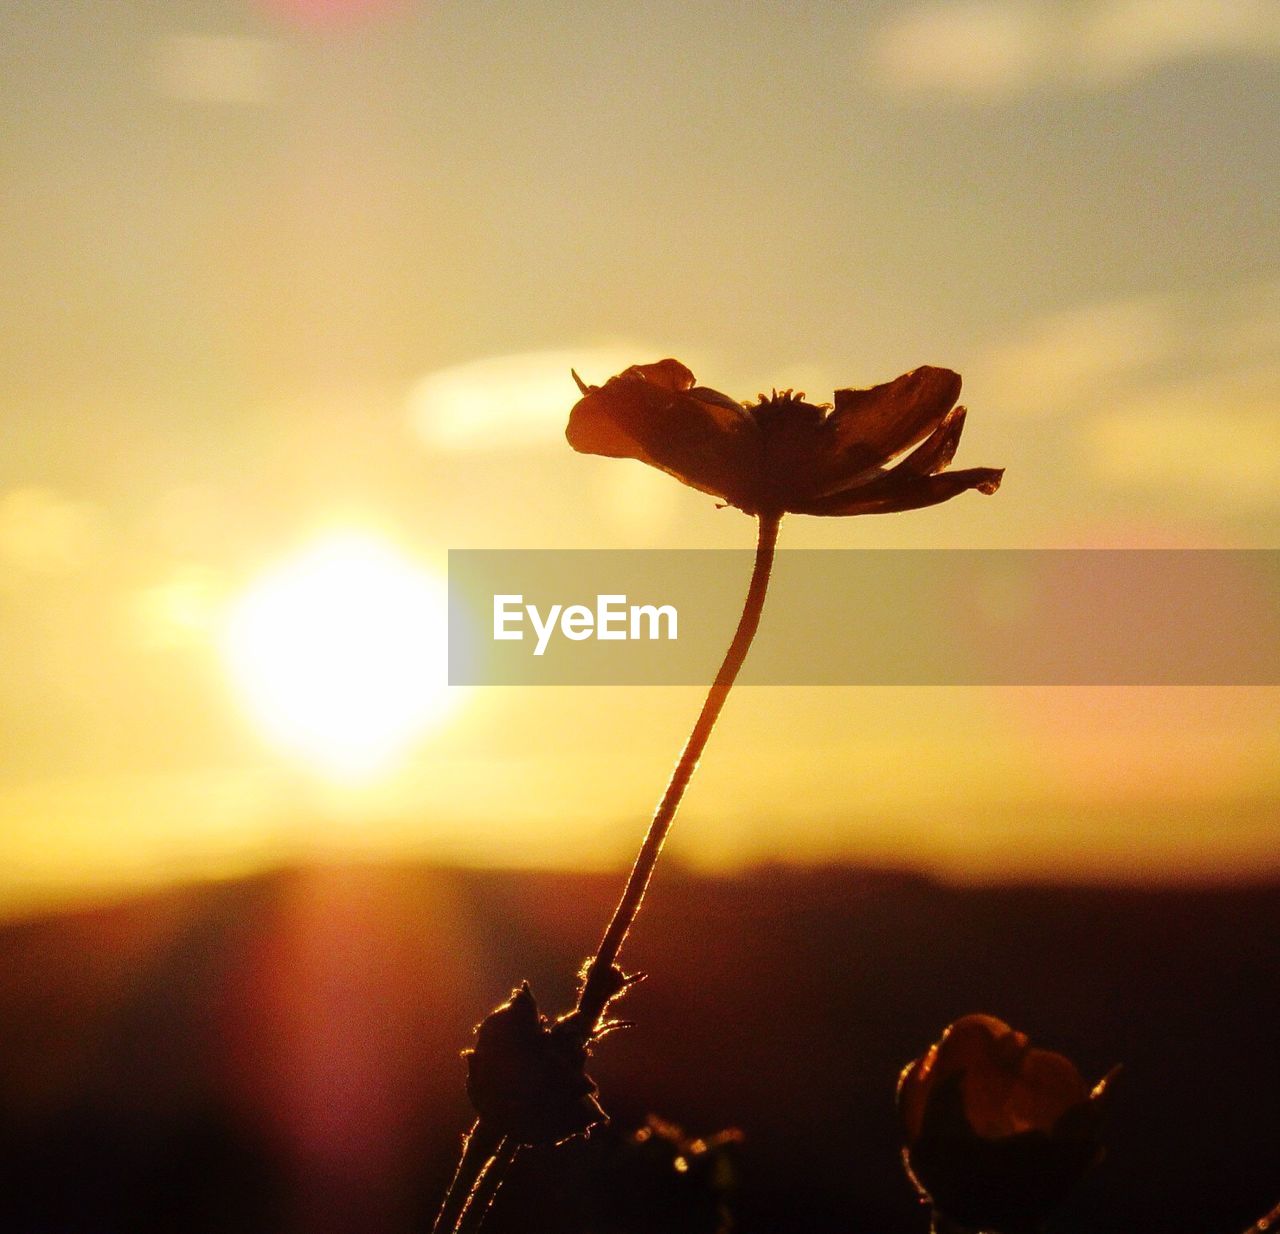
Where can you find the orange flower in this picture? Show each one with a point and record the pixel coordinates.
(997, 1133)
(780, 453)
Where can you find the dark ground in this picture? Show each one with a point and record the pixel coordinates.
(280, 1054)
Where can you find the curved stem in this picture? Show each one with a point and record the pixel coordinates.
(486, 1186)
(486, 1156)
(601, 982)
(1268, 1223)
(478, 1148)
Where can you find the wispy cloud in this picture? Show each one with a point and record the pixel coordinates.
(995, 50)
(43, 532)
(1214, 440)
(1116, 350)
(205, 68)
(183, 609)
(1123, 39)
(980, 49)
(509, 401)
(1245, 328)
(1168, 395)
(1078, 354)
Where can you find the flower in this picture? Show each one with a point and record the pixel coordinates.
(780, 453)
(997, 1133)
(526, 1077)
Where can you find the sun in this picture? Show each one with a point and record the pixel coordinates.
(340, 654)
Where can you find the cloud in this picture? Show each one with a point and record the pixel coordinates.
(995, 50)
(1113, 351)
(1078, 354)
(1167, 394)
(182, 610)
(1123, 39)
(1246, 326)
(205, 68)
(44, 533)
(974, 49)
(508, 401)
(1210, 439)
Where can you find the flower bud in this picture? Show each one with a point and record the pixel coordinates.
(997, 1133)
(527, 1080)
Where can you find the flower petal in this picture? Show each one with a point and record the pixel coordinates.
(937, 450)
(986, 1054)
(653, 413)
(913, 1090)
(1005, 1132)
(597, 433)
(870, 428)
(667, 374)
(900, 491)
(1049, 1085)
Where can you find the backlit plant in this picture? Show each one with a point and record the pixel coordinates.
(872, 451)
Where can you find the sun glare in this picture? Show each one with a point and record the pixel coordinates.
(341, 654)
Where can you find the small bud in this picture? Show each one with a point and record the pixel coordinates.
(527, 1080)
(997, 1133)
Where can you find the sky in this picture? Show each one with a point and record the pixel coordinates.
(285, 271)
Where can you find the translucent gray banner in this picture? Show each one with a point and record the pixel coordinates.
(859, 617)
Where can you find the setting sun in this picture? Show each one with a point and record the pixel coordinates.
(340, 653)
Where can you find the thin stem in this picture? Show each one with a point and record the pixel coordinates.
(601, 980)
(1265, 1224)
(478, 1148)
(486, 1156)
(486, 1187)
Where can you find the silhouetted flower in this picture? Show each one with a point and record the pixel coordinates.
(780, 453)
(527, 1077)
(997, 1133)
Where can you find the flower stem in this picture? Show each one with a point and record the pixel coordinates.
(478, 1148)
(486, 1155)
(486, 1186)
(602, 979)
(1265, 1224)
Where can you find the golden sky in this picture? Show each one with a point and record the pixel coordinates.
(283, 271)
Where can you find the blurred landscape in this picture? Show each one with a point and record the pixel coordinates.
(280, 1053)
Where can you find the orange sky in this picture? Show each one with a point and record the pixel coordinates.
(284, 272)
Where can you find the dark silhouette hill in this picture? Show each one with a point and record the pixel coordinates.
(281, 1053)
